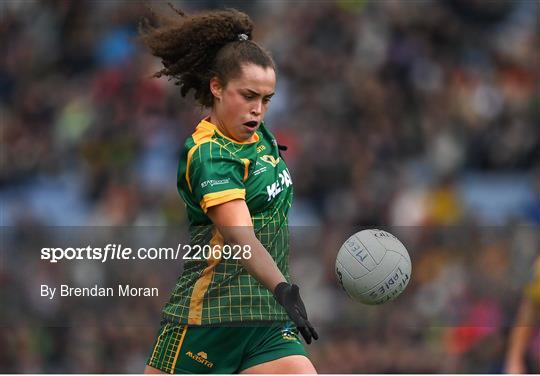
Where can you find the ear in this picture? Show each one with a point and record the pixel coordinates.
(216, 88)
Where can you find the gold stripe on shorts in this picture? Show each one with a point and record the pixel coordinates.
(156, 346)
(178, 349)
(167, 348)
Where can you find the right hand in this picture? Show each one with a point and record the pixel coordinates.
(289, 297)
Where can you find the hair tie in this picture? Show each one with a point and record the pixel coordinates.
(242, 37)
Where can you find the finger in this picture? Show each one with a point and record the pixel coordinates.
(295, 291)
(305, 333)
(301, 308)
(302, 328)
(312, 330)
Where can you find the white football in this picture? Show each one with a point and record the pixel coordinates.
(373, 266)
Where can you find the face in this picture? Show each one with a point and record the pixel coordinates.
(240, 106)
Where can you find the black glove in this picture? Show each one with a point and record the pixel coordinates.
(289, 297)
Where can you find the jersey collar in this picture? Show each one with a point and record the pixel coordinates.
(205, 123)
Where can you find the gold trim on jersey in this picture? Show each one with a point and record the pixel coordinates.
(201, 136)
(210, 126)
(247, 162)
(203, 133)
(202, 284)
(270, 159)
(216, 198)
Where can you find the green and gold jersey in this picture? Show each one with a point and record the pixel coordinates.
(215, 169)
(533, 288)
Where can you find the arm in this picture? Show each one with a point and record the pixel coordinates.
(520, 336)
(234, 222)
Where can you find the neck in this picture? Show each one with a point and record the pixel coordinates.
(219, 125)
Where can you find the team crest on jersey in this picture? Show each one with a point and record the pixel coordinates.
(270, 159)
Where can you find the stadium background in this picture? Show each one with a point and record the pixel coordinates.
(421, 115)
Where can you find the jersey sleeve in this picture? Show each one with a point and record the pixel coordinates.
(215, 175)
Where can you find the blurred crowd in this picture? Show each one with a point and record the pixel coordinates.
(421, 115)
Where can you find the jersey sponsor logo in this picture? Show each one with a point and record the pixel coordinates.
(260, 148)
(259, 170)
(213, 182)
(200, 357)
(276, 187)
(270, 159)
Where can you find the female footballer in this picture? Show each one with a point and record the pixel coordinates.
(232, 310)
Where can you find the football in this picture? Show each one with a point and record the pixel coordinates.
(373, 266)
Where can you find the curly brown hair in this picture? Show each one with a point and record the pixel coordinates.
(193, 49)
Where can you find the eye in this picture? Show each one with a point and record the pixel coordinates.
(266, 100)
(248, 96)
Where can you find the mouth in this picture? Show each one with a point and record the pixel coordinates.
(252, 125)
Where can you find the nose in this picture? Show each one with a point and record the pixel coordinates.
(256, 110)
